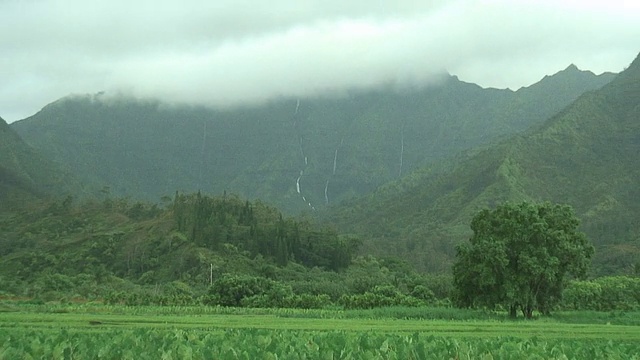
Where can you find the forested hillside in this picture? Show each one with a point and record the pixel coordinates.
(585, 156)
(298, 154)
(24, 174)
(187, 249)
(195, 249)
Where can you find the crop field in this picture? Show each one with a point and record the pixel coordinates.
(102, 332)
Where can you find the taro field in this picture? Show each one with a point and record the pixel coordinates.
(104, 332)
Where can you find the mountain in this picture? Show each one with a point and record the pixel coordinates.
(24, 174)
(585, 156)
(296, 154)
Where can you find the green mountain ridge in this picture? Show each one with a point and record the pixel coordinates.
(296, 154)
(25, 175)
(585, 156)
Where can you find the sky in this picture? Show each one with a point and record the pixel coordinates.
(226, 53)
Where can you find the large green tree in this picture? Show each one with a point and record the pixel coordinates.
(519, 257)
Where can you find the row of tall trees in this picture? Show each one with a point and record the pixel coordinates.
(259, 229)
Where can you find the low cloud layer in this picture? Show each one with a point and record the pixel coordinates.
(228, 53)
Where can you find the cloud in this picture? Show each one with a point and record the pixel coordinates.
(226, 53)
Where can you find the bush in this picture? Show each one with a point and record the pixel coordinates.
(275, 295)
(230, 290)
(441, 285)
(423, 293)
(603, 294)
(333, 289)
(379, 296)
(309, 301)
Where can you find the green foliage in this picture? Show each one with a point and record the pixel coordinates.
(584, 156)
(212, 222)
(95, 251)
(25, 175)
(603, 294)
(231, 290)
(380, 296)
(519, 257)
(423, 293)
(295, 344)
(138, 253)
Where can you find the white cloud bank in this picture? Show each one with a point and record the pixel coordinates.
(227, 53)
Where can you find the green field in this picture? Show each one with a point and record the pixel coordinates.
(111, 332)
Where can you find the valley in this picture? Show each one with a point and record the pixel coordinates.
(382, 182)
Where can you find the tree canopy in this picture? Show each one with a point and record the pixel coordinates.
(519, 257)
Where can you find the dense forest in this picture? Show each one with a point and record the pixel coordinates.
(186, 248)
(26, 175)
(196, 249)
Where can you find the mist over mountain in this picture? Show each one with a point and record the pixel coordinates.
(228, 53)
(585, 156)
(299, 154)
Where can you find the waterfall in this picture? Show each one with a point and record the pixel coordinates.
(296, 126)
(326, 196)
(401, 149)
(298, 181)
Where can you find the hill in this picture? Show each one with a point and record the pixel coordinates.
(24, 174)
(297, 154)
(585, 156)
(196, 250)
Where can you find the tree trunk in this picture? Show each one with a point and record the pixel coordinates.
(513, 311)
(545, 310)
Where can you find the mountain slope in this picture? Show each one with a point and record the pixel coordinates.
(296, 154)
(24, 174)
(586, 156)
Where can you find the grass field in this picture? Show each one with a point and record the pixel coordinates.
(112, 332)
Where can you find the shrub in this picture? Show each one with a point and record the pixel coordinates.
(423, 293)
(230, 290)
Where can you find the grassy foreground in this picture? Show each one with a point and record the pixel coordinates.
(102, 332)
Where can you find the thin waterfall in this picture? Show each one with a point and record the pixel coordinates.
(333, 173)
(335, 156)
(297, 125)
(401, 149)
(326, 195)
(301, 139)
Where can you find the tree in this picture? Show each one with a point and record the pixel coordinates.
(519, 257)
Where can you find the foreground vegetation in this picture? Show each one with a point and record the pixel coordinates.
(201, 250)
(299, 344)
(94, 331)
